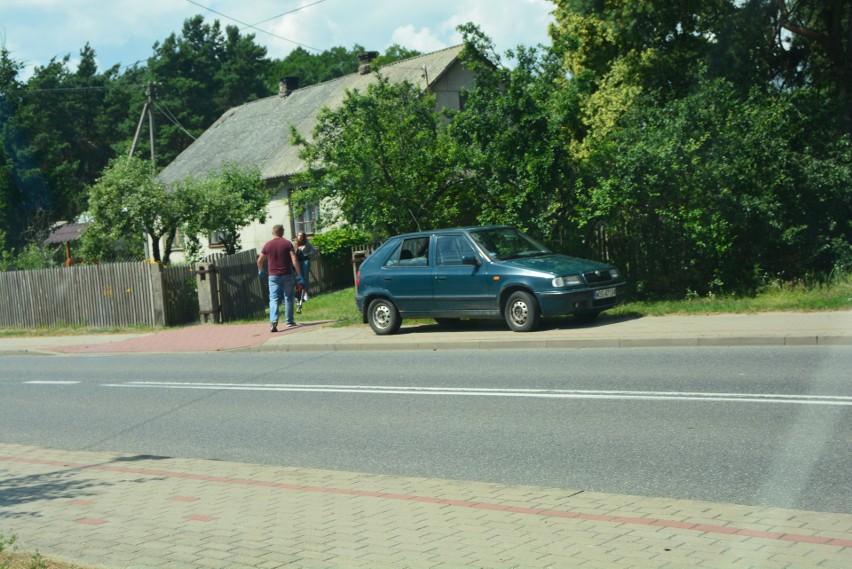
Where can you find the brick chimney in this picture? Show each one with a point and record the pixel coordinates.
(287, 85)
(364, 60)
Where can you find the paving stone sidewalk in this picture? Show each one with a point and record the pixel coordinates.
(117, 510)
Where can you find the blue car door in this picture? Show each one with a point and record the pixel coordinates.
(460, 286)
(406, 275)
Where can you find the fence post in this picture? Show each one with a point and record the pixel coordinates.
(158, 295)
(358, 257)
(208, 293)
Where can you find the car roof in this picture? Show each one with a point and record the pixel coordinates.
(451, 230)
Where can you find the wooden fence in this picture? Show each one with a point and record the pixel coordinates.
(240, 291)
(140, 293)
(180, 295)
(116, 294)
(327, 276)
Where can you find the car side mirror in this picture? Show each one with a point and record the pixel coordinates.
(471, 260)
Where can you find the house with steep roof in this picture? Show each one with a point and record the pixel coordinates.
(257, 134)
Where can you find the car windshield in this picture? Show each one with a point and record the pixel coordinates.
(508, 243)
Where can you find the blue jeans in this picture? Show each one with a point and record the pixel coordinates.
(305, 265)
(281, 287)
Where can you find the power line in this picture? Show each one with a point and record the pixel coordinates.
(253, 27)
(72, 89)
(289, 12)
(173, 119)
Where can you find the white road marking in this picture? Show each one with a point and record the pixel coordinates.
(490, 392)
(48, 382)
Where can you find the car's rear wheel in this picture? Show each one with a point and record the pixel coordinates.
(383, 317)
(522, 312)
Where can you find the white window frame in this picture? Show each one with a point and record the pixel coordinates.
(307, 219)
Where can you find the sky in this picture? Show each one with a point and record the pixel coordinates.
(124, 31)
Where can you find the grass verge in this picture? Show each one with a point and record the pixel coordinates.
(339, 308)
(10, 558)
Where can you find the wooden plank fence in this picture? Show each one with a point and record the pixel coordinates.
(140, 293)
(180, 295)
(240, 291)
(327, 277)
(115, 294)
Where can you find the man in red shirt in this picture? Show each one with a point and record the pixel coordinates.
(280, 257)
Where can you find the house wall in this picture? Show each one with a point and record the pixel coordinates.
(256, 234)
(447, 88)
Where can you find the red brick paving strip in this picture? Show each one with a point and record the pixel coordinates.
(91, 521)
(708, 529)
(200, 338)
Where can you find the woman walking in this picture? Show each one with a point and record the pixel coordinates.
(305, 252)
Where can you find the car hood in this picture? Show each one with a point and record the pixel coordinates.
(556, 265)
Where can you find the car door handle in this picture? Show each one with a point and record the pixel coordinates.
(441, 278)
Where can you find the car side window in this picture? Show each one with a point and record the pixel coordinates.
(451, 249)
(413, 252)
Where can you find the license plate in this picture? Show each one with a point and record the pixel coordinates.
(604, 293)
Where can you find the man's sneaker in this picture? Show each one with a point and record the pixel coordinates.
(290, 324)
(274, 326)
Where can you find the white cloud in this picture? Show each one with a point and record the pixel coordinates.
(422, 40)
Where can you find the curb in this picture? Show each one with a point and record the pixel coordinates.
(701, 341)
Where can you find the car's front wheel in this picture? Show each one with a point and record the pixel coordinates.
(522, 312)
(383, 316)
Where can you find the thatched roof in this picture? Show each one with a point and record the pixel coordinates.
(258, 133)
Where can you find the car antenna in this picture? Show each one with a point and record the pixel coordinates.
(415, 219)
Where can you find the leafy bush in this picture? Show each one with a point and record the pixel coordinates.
(336, 244)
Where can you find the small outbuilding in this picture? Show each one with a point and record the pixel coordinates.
(66, 234)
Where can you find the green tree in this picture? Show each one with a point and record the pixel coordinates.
(199, 75)
(392, 54)
(821, 46)
(386, 161)
(314, 68)
(629, 50)
(224, 203)
(715, 192)
(329, 64)
(514, 137)
(58, 137)
(626, 50)
(127, 205)
(11, 199)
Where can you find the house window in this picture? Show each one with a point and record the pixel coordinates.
(306, 219)
(217, 239)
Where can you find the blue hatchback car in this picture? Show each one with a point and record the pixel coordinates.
(479, 272)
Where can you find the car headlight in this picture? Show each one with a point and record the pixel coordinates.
(567, 281)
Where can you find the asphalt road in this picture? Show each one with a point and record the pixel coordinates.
(767, 426)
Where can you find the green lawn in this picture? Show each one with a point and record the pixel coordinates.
(340, 306)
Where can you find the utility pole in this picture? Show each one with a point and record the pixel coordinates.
(149, 110)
